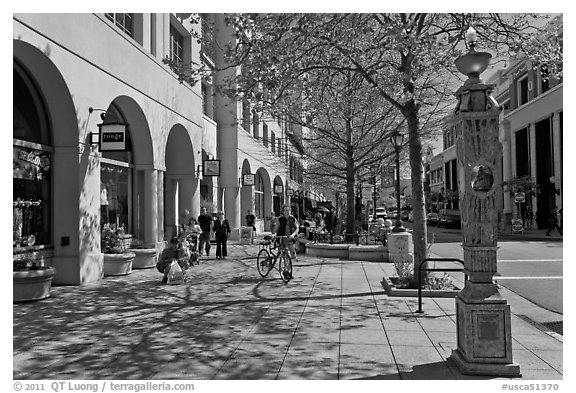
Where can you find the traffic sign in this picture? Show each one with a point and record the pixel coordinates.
(517, 225)
(519, 197)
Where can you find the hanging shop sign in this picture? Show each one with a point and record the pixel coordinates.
(112, 137)
(289, 192)
(248, 179)
(30, 164)
(211, 168)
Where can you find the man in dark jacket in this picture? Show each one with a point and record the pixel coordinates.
(205, 222)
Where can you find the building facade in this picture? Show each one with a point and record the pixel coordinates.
(75, 74)
(531, 134)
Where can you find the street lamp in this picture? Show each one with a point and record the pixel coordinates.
(397, 139)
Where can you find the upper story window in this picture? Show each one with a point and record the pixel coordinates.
(273, 142)
(176, 46)
(265, 134)
(124, 21)
(280, 147)
(207, 31)
(544, 78)
(523, 90)
(255, 124)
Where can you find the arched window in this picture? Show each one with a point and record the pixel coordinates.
(259, 196)
(32, 158)
(116, 174)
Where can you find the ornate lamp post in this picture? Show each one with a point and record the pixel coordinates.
(482, 314)
(397, 140)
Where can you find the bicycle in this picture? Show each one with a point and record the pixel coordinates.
(267, 257)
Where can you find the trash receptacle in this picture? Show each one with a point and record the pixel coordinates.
(246, 235)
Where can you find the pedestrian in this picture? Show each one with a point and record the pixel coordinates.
(553, 222)
(274, 223)
(528, 217)
(221, 230)
(250, 219)
(169, 254)
(205, 222)
(329, 222)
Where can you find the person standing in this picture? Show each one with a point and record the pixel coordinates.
(250, 219)
(528, 217)
(205, 222)
(553, 222)
(222, 230)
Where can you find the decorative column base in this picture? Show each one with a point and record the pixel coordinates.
(400, 247)
(484, 339)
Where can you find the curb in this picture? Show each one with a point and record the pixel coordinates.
(396, 292)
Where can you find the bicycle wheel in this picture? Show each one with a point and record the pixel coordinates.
(264, 262)
(285, 267)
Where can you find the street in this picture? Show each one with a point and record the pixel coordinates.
(531, 269)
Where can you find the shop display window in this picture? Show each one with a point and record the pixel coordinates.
(115, 196)
(31, 165)
(31, 195)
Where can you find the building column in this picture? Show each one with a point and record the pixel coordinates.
(160, 207)
(557, 158)
(171, 207)
(506, 218)
(150, 206)
(232, 210)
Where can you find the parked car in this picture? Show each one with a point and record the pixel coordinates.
(449, 219)
(381, 213)
(432, 219)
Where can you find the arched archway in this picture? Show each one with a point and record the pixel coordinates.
(128, 179)
(278, 195)
(181, 186)
(263, 196)
(73, 220)
(247, 191)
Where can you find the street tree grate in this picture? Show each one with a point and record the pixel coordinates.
(556, 327)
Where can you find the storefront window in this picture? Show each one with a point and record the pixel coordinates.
(31, 195)
(259, 196)
(31, 165)
(114, 196)
(116, 181)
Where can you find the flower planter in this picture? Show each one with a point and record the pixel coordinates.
(118, 264)
(32, 285)
(145, 258)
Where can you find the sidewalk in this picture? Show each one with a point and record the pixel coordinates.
(333, 321)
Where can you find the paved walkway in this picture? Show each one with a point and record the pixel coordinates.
(333, 321)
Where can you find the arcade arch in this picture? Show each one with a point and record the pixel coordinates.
(181, 185)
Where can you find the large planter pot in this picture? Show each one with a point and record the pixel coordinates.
(118, 264)
(32, 284)
(145, 258)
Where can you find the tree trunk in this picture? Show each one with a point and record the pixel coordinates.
(419, 233)
(350, 175)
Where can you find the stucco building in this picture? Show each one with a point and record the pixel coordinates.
(75, 72)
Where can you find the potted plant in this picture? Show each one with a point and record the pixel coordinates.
(117, 259)
(31, 280)
(146, 257)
